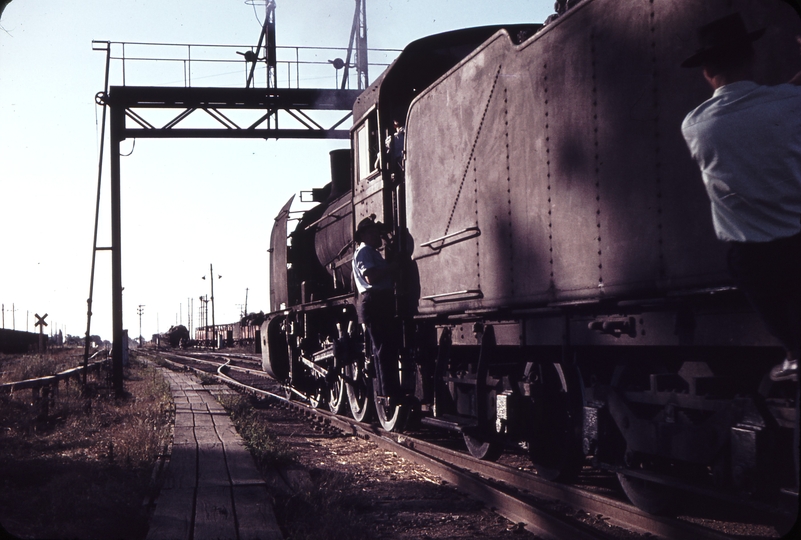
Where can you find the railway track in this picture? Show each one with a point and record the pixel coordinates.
(548, 509)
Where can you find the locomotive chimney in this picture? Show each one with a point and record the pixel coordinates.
(340, 172)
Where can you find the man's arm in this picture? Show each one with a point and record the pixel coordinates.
(378, 273)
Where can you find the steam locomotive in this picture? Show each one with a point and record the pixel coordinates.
(561, 287)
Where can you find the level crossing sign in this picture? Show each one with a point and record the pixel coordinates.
(40, 322)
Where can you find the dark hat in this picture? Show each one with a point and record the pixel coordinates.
(723, 35)
(365, 225)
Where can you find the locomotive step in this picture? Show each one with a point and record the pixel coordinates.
(450, 422)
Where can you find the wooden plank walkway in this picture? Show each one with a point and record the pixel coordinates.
(211, 488)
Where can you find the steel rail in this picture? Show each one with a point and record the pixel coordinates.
(619, 513)
(501, 501)
(478, 477)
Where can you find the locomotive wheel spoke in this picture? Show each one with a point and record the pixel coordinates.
(359, 395)
(393, 417)
(337, 396)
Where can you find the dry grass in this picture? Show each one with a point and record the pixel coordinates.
(20, 367)
(322, 512)
(267, 450)
(83, 470)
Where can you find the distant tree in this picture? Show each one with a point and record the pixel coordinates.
(72, 340)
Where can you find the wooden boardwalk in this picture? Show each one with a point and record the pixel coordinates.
(211, 488)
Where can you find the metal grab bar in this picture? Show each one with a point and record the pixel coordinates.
(451, 235)
(330, 214)
(467, 294)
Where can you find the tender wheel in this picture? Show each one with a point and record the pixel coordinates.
(359, 393)
(337, 396)
(555, 430)
(482, 449)
(480, 441)
(648, 496)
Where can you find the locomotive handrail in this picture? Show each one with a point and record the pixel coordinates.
(330, 214)
(442, 239)
(467, 294)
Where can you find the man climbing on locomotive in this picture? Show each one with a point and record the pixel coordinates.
(376, 305)
(746, 140)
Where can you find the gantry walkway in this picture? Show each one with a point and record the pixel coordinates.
(211, 488)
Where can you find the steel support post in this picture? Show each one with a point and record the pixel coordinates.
(117, 127)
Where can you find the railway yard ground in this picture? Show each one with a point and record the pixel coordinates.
(82, 467)
(86, 468)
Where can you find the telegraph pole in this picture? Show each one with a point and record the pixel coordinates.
(213, 324)
(204, 318)
(140, 310)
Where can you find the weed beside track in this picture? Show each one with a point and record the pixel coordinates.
(84, 469)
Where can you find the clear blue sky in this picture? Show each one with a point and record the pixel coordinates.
(186, 203)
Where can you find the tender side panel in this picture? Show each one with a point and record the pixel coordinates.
(557, 171)
(571, 156)
(622, 148)
(444, 178)
(529, 111)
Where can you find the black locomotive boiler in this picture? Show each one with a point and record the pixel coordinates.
(561, 286)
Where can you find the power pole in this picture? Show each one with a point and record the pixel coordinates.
(204, 318)
(140, 310)
(213, 323)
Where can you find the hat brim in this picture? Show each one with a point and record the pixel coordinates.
(701, 56)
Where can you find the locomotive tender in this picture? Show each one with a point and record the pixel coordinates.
(561, 286)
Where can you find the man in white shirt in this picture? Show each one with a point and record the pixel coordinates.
(746, 140)
(376, 305)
